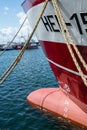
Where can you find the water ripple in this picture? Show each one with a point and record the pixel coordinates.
(33, 72)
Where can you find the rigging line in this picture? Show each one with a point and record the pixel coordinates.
(66, 37)
(12, 66)
(71, 40)
(14, 36)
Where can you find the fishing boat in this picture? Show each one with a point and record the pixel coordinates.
(62, 33)
(32, 45)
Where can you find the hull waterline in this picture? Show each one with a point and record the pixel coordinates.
(58, 55)
(57, 102)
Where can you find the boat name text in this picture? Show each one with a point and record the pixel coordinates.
(51, 22)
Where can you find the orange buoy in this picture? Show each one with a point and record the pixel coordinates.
(57, 101)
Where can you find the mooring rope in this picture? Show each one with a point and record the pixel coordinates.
(14, 37)
(9, 70)
(67, 36)
(69, 40)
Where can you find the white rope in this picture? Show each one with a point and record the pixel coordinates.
(14, 36)
(69, 40)
(10, 69)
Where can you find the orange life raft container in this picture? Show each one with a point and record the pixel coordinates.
(57, 101)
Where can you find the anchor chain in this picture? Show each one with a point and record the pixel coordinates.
(69, 40)
(10, 69)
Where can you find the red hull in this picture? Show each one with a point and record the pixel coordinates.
(57, 101)
(60, 60)
(59, 55)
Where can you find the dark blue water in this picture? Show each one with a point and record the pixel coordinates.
(32, 72)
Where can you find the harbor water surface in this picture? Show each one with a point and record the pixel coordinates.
(31, 73)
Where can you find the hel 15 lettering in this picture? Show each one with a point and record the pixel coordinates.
(84, 21)
(51, 22)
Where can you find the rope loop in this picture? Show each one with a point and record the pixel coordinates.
(69, 40)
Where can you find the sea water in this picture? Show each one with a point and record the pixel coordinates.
(31, 73)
